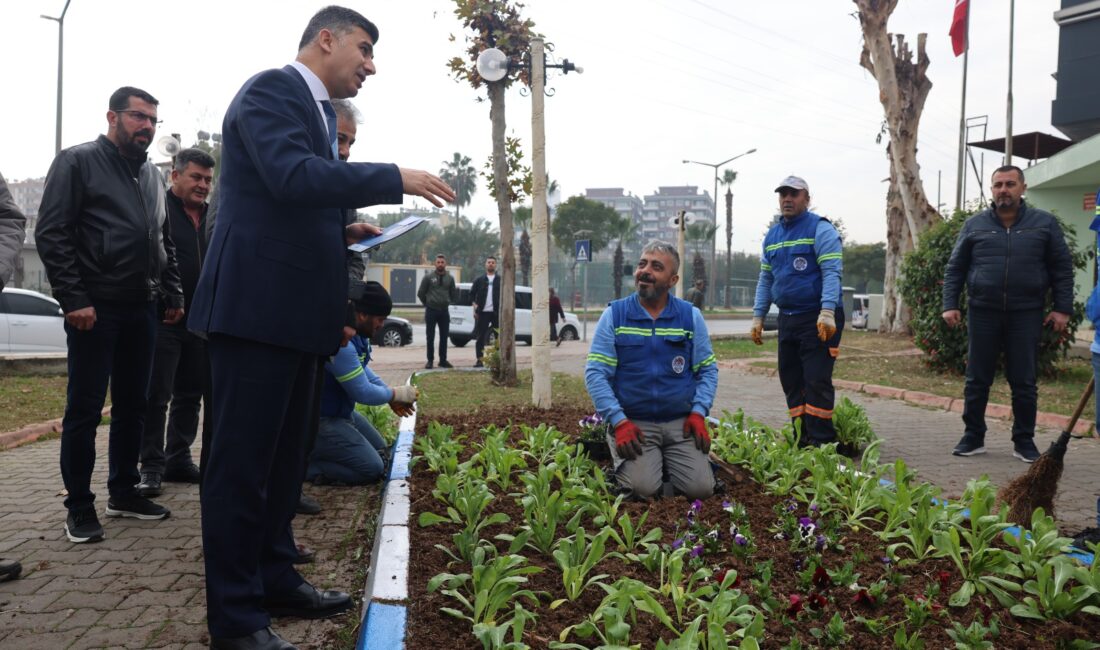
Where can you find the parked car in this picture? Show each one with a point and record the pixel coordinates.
(462, 318)
(31, 322)
(394, 333)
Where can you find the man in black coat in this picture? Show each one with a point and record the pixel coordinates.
(486, 301)
(180, 367)
(1009, 255)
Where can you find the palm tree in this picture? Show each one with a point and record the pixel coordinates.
(699, 234)
(728, 177)
(624, 228)
(522, 217)
(462, 177)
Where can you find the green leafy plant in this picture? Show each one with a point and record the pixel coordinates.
(576, 556)
(382, 418)
(628, 536)
(498, 458)
(834, 634)
(974, 636)
(1048, 596)
(905, 641)
(493, 585)
(494, 637)
(852, 426)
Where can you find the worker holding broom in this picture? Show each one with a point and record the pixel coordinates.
(1009, 255)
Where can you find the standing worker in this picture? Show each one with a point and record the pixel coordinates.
(1010, 254)
(800, 272)
(437, 293)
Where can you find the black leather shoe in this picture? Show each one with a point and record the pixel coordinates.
(308, 602)
(187, 474)
(307, 505)
(264, 639)
(9, 569)
(428, 366)
(150, 485)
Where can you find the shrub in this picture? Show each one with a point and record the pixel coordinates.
(852, 426)
(921, 287)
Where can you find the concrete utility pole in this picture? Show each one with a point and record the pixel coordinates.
(540, 251)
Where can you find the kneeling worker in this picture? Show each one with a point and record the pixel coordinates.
(651, 374)
(349, 449)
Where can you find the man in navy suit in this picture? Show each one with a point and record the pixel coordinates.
(272, 298)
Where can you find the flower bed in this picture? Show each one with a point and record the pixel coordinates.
(517, 541)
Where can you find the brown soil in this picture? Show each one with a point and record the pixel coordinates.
(428, 628)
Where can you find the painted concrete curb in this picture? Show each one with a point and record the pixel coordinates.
(32, 432)
(386, 590)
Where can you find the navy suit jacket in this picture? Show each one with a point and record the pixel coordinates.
(276, 270)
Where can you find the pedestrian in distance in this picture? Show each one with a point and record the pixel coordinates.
(437, 293)
(181, 373)
(104, 239)
(697, 294)
(556, 314)
(485, 292)
(800, 271)
(653, 344)
(272, 299)
(1009, 256)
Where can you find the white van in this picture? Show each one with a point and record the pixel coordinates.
(462, 318)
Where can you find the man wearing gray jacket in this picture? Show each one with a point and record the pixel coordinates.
(12, 224)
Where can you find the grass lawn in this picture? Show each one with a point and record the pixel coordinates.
(460, 391)
(30, 399)
(863, 359)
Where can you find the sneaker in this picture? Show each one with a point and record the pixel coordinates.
(445, 364)
(307, 505)
(428, 366)
(137, 507)
(82, 525)
(150, 484)
(1025, 450)
(9, 569)
(185, 474)
(970, 445)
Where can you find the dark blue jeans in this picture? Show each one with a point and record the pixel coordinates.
(1016, 333)
(180, 376)
(432, 319)
(348, 450)
(117, 350)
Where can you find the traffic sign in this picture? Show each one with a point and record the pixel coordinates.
(583, 250)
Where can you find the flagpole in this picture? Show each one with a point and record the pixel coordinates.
(1008, 120)
(962, 121)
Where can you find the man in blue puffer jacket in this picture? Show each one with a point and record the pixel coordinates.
(800, 272)
(651, 373)
(1009, 256)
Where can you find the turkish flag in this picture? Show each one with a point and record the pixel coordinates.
(959, 29)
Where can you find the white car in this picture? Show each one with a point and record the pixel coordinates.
(462, 318)
(30, 322)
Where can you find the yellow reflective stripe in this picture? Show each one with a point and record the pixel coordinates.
(829, 256)
(793, 242)
(671, 331)
(604, 359)
(633, 330)
(765, 267)
(351, 375)
(709, 361)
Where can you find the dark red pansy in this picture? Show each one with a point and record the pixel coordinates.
(821, 579)
(796, 605)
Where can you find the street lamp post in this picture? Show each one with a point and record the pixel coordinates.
(60, 67)
(714, 241)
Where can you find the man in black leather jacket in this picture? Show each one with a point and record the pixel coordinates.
(108, 254)
(1009, 255)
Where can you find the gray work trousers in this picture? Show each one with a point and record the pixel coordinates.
(665, 447)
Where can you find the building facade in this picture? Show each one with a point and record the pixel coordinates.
(660, 208)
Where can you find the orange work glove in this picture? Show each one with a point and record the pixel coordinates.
(826, 324)
(695, 426)
(757, 331)
(628, 440)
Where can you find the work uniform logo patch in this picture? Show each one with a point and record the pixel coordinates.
(678, 364)
(800, 264)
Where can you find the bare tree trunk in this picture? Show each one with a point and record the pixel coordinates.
(507, 336)
(895, 315)
(903, 88)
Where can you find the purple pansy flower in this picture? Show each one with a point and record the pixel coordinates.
(677, 543)
(696, 551)
(740, 540)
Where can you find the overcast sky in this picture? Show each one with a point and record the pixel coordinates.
(663, 80)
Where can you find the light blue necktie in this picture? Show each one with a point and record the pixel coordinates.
(330, 120)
